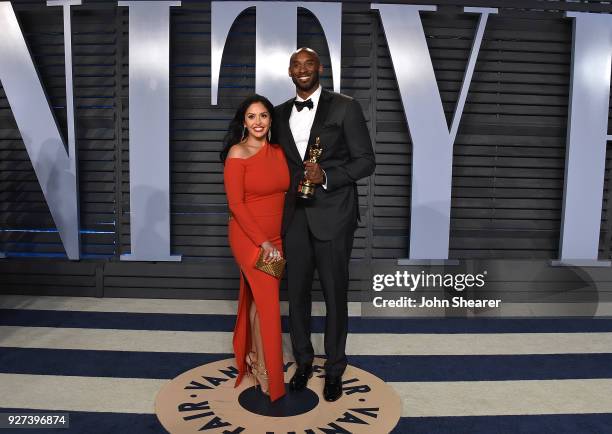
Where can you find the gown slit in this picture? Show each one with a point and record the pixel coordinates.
(269, 330)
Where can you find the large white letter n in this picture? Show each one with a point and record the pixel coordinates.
(55, 167)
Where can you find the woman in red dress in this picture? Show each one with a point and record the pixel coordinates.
(256, 178)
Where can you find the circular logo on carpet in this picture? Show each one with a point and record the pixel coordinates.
(204, 399)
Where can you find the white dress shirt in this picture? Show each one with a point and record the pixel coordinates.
(300, 123)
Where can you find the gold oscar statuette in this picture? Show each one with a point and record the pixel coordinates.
(306, 189)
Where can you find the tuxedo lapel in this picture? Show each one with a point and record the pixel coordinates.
(289, 142)
(319, 120)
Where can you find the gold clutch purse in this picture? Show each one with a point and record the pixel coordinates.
(275, 268)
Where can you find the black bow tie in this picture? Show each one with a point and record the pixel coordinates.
(299, 105)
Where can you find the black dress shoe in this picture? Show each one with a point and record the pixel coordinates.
(300, 377)
(333, 388)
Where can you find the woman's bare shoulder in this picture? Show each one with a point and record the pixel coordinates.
(238, 151)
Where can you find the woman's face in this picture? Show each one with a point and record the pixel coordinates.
(257, 120)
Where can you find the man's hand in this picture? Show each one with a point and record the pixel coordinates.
(314, 173)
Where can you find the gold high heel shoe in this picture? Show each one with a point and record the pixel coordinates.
(261, 378)
(259, 373)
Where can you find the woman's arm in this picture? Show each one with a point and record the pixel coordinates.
(233, 178)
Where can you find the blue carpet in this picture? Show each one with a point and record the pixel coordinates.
(127, 364)
(536, 424)
(120, 423)
(421, 368)
(188, 322)
(96, 423)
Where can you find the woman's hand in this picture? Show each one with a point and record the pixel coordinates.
(271, 253)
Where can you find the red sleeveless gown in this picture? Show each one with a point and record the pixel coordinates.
(255, 189)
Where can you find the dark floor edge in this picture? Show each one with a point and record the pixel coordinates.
(156, 365)
(192, 322)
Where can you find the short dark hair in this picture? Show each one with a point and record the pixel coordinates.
(308, 50)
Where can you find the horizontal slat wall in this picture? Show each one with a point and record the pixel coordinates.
(26, 220)
(199, 212)
(198, 203)
(21, 200)
(508, 157)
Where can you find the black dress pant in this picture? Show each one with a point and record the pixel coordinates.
(331, 258)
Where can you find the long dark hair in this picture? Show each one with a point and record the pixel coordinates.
(236, 126)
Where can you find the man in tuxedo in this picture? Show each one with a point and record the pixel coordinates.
(318, 233)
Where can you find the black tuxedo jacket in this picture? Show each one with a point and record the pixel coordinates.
(347, 157)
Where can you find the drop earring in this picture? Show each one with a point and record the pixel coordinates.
(244, 132)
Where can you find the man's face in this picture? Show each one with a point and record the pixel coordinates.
(304, 70)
